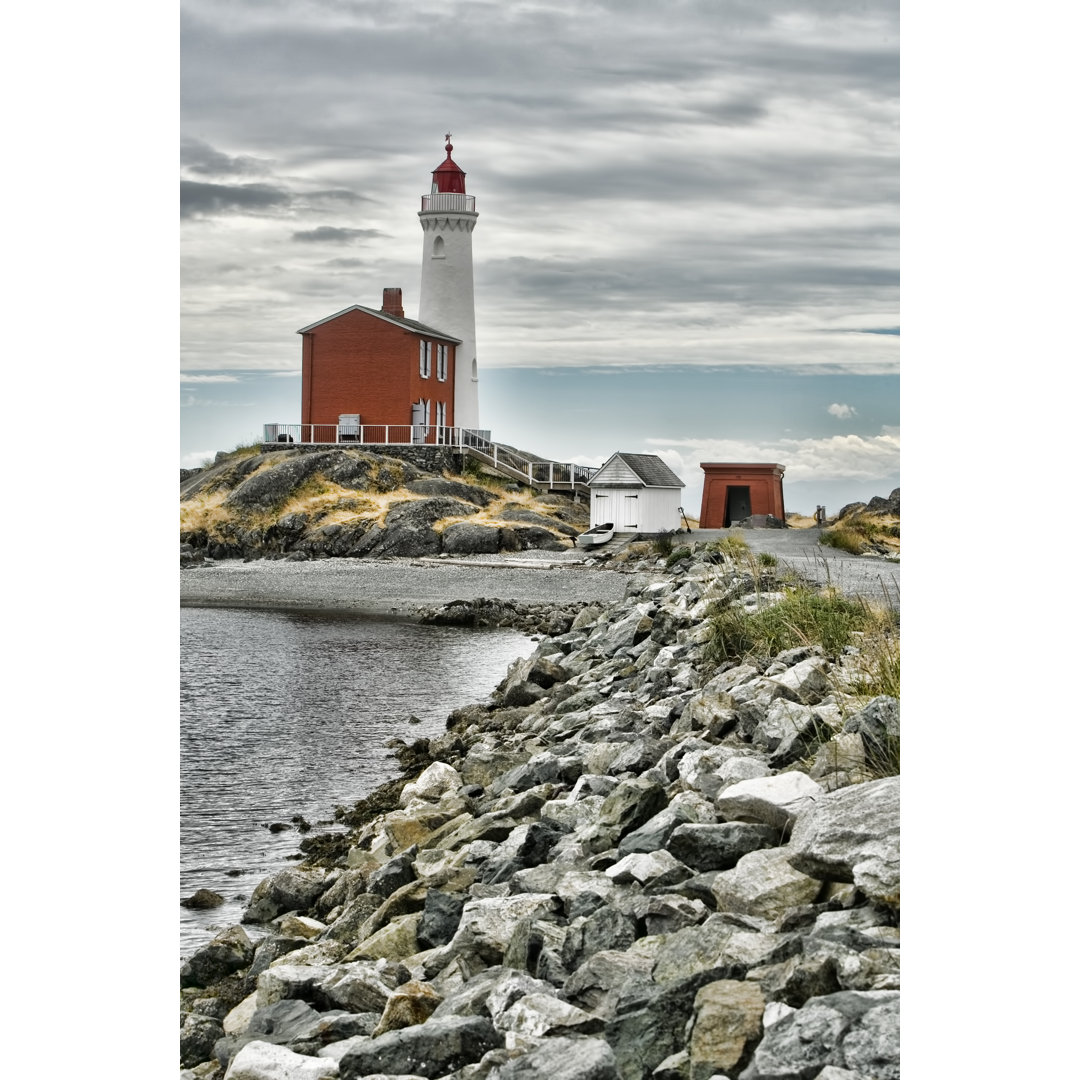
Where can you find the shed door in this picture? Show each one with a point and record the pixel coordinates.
(738, 505)
(630, 512)
(601, 510)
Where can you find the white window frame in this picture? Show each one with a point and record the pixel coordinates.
(440, 414)
(425, 359)
(441, 362)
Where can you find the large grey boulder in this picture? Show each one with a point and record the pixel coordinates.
(468, 538)
(265, 1061)
(565, 1059)
(764, 884)
(487, 924)
(198, 1034)
(772, 800)
(719, 847)
(853, 835)
(432, 1049)
(852, 1030)
(231, 950)
(407, 529)
(287, 890)
(727, 1021)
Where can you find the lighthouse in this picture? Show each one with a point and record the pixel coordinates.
(448, 217)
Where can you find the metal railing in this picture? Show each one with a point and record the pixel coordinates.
(448, 201)
(475, 443)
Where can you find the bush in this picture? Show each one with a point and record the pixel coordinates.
(663, 544)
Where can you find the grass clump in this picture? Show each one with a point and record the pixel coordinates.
(803, 617)
(843, 539)
(734, 546)
(663, 545)
(678, 555)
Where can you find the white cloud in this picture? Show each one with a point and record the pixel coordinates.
(841, 412)
(838, 457)
(196, 459)
(208, 378)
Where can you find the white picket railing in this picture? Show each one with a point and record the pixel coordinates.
(534, 473)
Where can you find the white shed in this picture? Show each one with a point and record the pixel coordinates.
(637, 492)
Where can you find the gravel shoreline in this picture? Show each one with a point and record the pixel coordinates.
(397, 587)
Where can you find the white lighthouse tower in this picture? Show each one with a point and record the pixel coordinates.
(448, 217)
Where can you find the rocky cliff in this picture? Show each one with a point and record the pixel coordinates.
(300, 504)
(646, 856)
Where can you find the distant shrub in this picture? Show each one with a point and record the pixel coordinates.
(843, 538)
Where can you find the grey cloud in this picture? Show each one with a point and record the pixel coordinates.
(201, 158)
(331, 234)
(199, 199)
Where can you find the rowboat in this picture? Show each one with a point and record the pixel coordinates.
(598, 534)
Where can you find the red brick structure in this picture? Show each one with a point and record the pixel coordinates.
(377, 366)
(734, 491)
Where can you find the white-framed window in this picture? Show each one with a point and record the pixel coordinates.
(425, 359)
(440, 414)
(441, 361)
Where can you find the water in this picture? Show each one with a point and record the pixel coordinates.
(286, 713)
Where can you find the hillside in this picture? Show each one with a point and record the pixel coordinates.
(300, 504)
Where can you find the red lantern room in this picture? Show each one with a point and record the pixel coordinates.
(448, 177)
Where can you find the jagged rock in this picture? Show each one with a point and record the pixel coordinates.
(202, 899)
(231, 950)
(718, 944)
(770, 800)
(287, 890)
(487, 925)
(605, 928)
(850, 1030)
(431, 1049)
(658, 831)
(765, 884)
(441, 916)
(536, 1015)
(596, 985)
(409, 1004)
(395, 873)
(468, 538)
(198, 1034)
(565, 1058)
(727, 1019)
(719, 847)
(630, 805)
(644, 868)
(437, 780)
(265, 1061)
(853, 835)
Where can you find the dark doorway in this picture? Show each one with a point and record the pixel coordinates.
(737, 505)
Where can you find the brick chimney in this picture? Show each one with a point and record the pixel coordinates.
(391, 303)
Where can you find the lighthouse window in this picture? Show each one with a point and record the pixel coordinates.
(440, 362)
(425, 359)
(438, 249)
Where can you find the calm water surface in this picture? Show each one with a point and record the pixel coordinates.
(286, 713)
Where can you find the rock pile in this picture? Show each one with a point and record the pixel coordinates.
(626, 865)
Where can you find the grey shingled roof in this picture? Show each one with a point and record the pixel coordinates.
(649, 468)
(408, 324)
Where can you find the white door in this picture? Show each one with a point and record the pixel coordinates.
(601, 509)
(630, 512)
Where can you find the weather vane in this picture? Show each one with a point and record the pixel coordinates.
(448, 136)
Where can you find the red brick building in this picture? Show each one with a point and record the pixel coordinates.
(368, 367)
(735, 491)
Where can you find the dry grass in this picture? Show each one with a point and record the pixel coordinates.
(203, 512)
(800, 521)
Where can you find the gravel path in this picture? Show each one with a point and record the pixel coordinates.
(400, 586)
(856, 575)
(388, 586)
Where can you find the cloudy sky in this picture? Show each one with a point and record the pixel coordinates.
(688, 230)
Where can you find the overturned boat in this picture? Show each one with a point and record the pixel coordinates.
(598, 534)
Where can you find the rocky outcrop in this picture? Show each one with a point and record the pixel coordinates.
(307, 503)
(616, 869)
